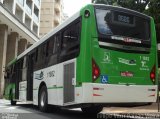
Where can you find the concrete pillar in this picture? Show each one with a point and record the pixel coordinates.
(12, 47)
(3, 48)
(22, 45)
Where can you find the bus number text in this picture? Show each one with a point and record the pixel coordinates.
(51, 74)
(124, 19)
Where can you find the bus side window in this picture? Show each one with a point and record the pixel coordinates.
(36, 55)
(50, 46)
(52, 50)
(55, 44)
(40, 59)
(24, 69)
(47, 53)
(13, 79)
(71, 42)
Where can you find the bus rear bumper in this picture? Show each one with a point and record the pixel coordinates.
(109, 93)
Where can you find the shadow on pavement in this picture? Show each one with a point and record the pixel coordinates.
(55, 113)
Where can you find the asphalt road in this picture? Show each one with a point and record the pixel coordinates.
(25, 111)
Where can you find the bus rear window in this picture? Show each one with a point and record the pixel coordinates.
(122, 26)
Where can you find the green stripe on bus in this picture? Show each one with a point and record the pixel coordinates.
(54, 87)
(59, 87)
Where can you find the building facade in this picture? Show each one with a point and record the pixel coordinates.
(19, 28)
(65, 17)
(27, 12)
(51, 15)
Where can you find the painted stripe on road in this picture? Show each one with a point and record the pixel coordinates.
(11, 108)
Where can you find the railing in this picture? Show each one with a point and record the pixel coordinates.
(21, 2)
(9, 6)
(28, 9)
(28, 23)
(35, 30)
(36, 18)
(19, 16)
(37, 2)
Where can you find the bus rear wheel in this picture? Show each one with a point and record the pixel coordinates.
(43, 99)
(92, 109)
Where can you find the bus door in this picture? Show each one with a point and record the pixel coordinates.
(17, 76)
(68, 77)
(66, 54)
(30, 77)
(16, 80)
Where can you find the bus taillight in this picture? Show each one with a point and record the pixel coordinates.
(152, 74)
(95, 70)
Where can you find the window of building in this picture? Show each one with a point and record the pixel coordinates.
(57, 1)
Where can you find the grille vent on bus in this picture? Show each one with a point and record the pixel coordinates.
(69, 74)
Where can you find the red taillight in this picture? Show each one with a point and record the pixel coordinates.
(153, 74)
(95, 70)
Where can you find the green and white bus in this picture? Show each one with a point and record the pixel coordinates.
(101, 55)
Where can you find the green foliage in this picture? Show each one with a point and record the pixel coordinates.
(108, 2)
(154, 11)
(138, 5)
(100, 1)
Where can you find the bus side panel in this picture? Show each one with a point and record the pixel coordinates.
(100, 93)
(54, 78)
(84, 60)
(47, 76)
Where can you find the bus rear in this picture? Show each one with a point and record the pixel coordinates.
(124, 61)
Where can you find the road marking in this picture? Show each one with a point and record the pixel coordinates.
(76, 109)
(11, 108)
(2, 106)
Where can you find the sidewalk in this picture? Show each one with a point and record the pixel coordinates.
(3, 101)
(138, 109)
(147, 111)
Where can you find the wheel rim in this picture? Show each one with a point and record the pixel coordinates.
(43, 98)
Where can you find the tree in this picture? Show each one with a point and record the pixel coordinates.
(154, 11)
(138, 5)
(108, 2)
(100, 1)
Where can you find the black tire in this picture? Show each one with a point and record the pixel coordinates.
(43, 99)
(92, 109)
(11, 99)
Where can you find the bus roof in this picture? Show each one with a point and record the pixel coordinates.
(119, 7)
(52, 32)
